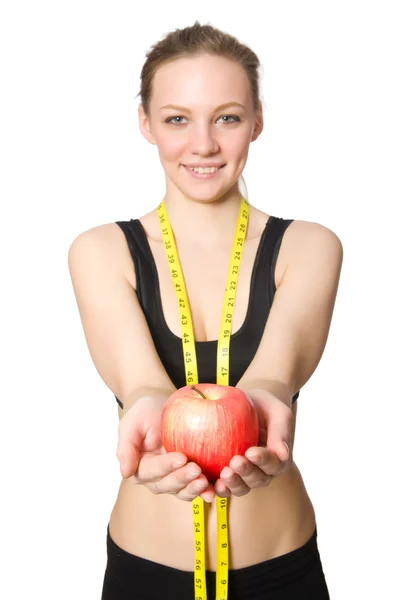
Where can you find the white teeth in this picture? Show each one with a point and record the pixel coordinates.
(204, 169)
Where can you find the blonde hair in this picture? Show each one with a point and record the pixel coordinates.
(192, 41)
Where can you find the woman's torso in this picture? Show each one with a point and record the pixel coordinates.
(263, 524)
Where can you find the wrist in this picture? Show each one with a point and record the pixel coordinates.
(268, 390)
(160, 394)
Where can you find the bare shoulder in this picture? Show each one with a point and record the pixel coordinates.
(307, 240)
(107, 242)
(308, 234)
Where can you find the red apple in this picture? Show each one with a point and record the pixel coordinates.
(209, 424)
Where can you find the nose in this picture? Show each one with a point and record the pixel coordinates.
(203, 140)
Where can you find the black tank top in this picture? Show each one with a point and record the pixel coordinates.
(243, 343)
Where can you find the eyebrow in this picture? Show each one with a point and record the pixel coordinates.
(183, 108)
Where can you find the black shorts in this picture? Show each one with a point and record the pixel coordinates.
(295, 575)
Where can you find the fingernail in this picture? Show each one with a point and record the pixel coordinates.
(178, 463)
(254, 458)
(194, 471)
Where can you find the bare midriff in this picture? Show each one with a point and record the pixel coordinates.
(263, 524)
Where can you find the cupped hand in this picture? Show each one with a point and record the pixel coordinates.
(272, 457)
(144, 460)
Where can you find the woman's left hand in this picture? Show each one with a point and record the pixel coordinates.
(262, 463)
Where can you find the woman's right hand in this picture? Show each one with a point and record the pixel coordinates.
(144, 460)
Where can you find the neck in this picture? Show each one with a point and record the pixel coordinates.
(204, 224)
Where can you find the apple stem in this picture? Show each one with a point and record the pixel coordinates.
(198, 391)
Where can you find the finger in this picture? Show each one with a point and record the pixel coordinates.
(176, 481)
(152, 441)
(263, 458)
(233, 481)
(155, 467)
(209, 493)
(221, 489)
(194, 489)
(253, 476)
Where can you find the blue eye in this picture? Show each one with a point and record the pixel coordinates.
(172, 118)
(234, 117)
(230, 117)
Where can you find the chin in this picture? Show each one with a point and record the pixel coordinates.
(205, 197)
(209, 192)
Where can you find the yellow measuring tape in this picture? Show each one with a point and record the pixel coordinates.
(222, 378)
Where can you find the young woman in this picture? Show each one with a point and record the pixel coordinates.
(200, 106)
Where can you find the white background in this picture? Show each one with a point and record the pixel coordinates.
(72, 158)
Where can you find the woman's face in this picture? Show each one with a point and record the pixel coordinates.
(198, 130)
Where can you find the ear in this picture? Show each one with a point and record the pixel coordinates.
(144, 125)
(258, 127)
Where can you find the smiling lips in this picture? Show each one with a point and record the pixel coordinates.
(207, 170)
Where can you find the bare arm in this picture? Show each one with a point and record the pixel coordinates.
(115, 328)
(125, 357)
(290, 350)
(299, 321)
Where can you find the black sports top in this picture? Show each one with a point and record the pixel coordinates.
(243, 343)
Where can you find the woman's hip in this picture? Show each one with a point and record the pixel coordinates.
(297, 574)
